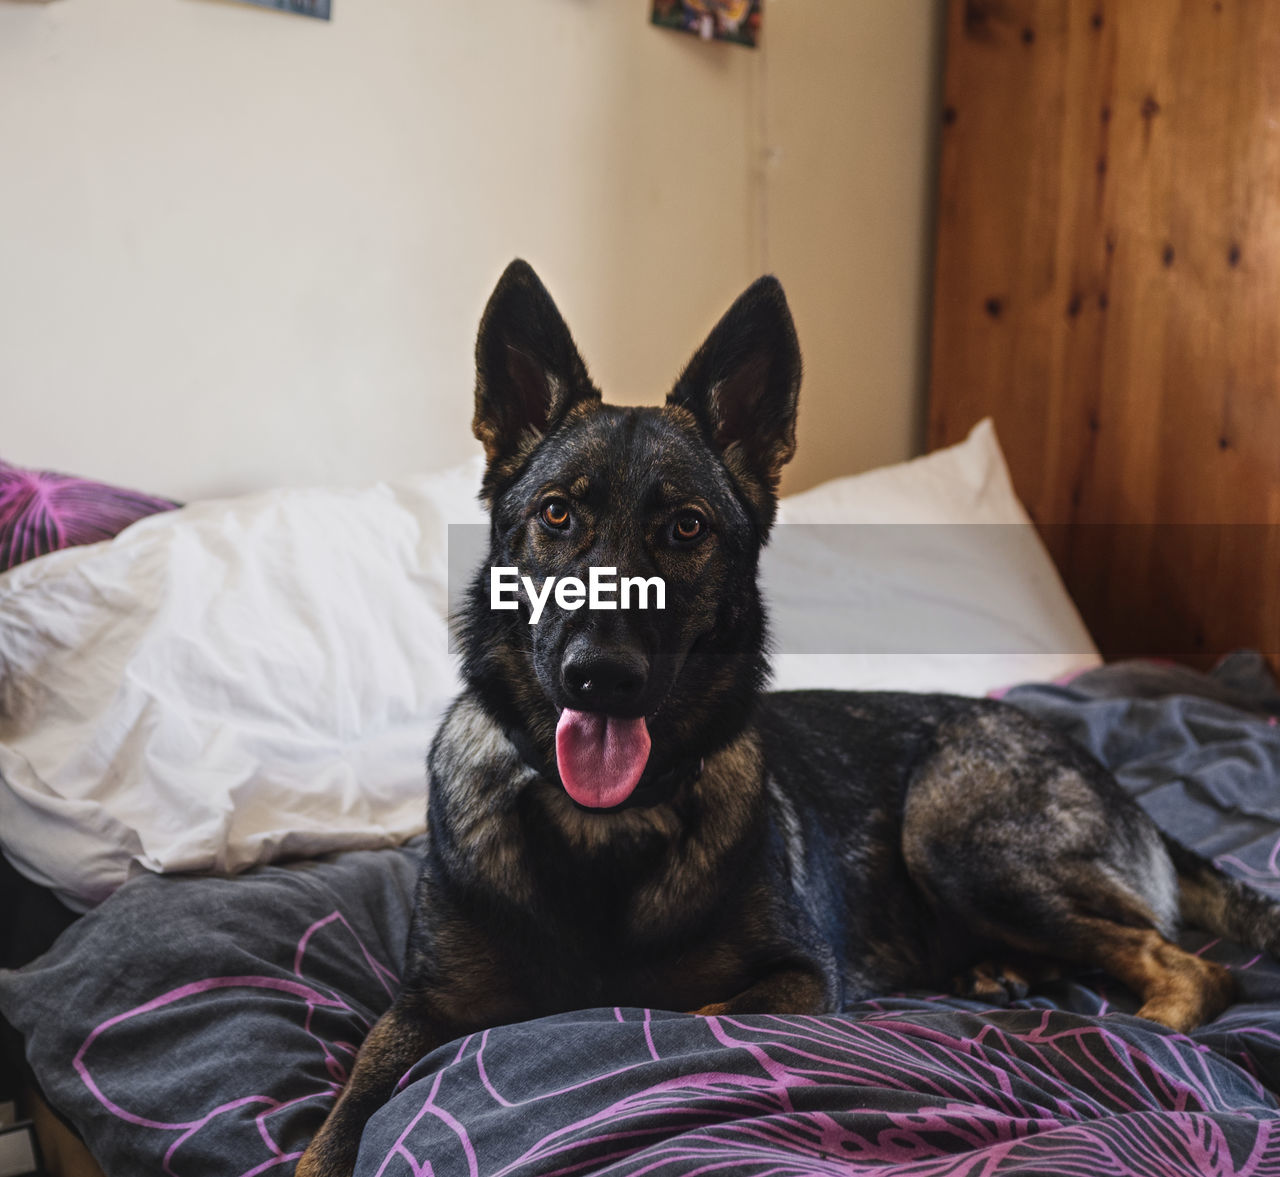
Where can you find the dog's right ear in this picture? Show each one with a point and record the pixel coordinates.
(742, 385)
(528, 373)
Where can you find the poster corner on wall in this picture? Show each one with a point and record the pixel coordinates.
(737, 21)
(317, 8)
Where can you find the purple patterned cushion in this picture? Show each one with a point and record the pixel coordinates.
(41, 511)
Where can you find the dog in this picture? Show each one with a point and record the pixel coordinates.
(619, 814)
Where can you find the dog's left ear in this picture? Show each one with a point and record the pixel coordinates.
(742, 385)
(528, 373)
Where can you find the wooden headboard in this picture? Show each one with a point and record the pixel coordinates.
(1107, 288)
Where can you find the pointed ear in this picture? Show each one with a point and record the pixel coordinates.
(528, 373)
(742, 386)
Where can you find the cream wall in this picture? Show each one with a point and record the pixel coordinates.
(241, 249)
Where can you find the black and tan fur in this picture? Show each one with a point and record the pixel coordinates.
(783, 853)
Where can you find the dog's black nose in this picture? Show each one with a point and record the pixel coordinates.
(603, 678)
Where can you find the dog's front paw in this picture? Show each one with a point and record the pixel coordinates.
(991, 981)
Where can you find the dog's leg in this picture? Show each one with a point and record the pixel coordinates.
(1177, 989)
(398, 1040)
(1018, 836)
(788, 990)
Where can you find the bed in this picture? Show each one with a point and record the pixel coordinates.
(212, 753)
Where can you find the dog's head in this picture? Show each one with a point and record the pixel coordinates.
(619, 699)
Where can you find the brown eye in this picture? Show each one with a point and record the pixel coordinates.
(688, 527)
(555, 513)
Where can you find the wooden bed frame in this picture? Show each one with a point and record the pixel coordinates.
(1107, 287)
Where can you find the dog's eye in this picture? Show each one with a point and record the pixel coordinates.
(688, 527)
(555, 514)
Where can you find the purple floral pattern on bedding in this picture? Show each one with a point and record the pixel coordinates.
(97, 1061)
(41, 512)
(914, 1091)
(198, 1026)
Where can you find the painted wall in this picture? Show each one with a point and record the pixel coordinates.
(241, 249)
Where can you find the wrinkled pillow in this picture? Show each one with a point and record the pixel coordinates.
(924, 576)
(42, 511)
(241, 681)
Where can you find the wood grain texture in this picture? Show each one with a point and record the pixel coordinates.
(1107, 287)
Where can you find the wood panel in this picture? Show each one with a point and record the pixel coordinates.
(1107, 288)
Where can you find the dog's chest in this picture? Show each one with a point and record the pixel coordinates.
(587, 961)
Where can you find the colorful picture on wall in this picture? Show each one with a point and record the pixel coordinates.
(712, 20)
(318, 8)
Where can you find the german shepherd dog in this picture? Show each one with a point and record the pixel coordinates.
(620, 815)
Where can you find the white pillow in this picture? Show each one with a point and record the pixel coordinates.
(260, 678)
(925, 576)
(226, 684)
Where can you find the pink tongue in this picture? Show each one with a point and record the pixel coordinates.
(601, 758)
